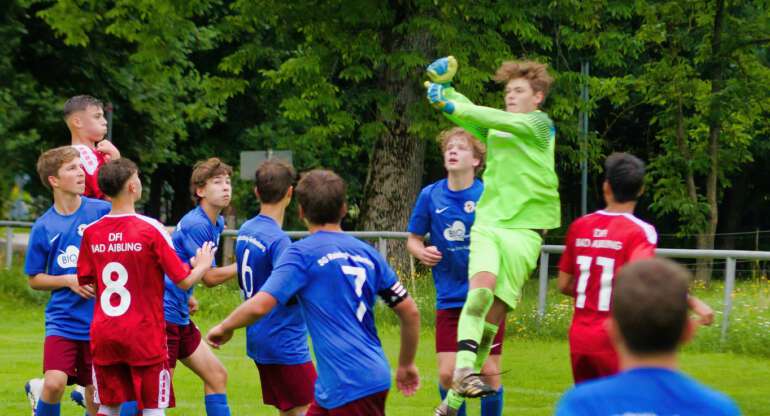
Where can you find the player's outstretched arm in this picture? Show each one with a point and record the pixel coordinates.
(43, 281)
(429, 256)
(702, 309)
(407, 375)
(201, 264)
(446, 99)
(218, 275)
(566, 283)
(246, 314)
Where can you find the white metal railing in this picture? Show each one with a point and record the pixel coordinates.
(381, 237)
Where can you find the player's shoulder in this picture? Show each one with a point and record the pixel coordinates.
(429, 189)
(263, 226)
(640, 226)
(44, 220)
(149, 225)
(716, 402)
(96, 204)
(195, 222)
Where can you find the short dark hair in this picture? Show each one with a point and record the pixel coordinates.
(49, 163)
(649, 304)
(321, 194)
(625, 174)
(80, 103)
(273, 179)
(205, 170)
(114, 174)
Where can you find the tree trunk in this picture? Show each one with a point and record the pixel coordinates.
(395, 169)
(706, 239)
(733, 212)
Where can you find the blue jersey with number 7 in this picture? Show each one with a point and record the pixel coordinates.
(336, 279)
(281, 336)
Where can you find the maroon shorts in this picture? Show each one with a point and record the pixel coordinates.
(182, 341)
(70, 356)
(595, 365)
(287, 386)
(150, 386)
(446, 332)
(371, 405)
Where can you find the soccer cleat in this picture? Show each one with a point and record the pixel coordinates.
(444, 410)
(34, 388)
(78, 395)
(469, 384)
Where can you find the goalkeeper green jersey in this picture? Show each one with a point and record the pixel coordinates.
(521, 189)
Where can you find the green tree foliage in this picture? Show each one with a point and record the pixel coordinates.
(684, 84)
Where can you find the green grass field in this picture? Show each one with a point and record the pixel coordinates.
(535, 356)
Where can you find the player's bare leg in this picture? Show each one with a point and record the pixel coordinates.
(207, 366)
(91, 407)
(54, 383)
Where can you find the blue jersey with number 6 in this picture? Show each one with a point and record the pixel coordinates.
(336, 278)
(448, 215)
(281, 336)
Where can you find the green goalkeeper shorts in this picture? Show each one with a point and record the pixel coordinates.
(508, 253)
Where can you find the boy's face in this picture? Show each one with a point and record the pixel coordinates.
(70, 178)
(458, 155)
(217, 191)
(91, 123)
(520, 97)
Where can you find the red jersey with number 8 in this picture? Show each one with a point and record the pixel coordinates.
(126, 256)
(597, 246)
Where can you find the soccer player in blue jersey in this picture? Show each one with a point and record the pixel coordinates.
(278, 342)
(446, 210)
(210, 186)
(51, 260)
(335, 278)
(649, 321)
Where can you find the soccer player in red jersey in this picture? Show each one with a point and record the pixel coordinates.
(597, 246)
(126, 255)
(84, 116)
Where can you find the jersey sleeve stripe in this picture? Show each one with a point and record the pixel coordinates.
(159, 227)
(649, 230)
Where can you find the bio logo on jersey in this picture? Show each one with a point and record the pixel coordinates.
(68, 258)
(469, 206)
(455, 232)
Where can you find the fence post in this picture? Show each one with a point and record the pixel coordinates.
(382, 245)
(543, 285)
(8, 247)
(729, 286)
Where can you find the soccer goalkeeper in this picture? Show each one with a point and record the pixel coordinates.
(520, 201)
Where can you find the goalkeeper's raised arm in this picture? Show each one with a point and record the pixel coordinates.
(526, 85)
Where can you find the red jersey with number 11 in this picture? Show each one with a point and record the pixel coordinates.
(597, 246)
(126, 256)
